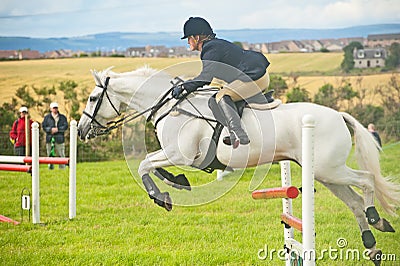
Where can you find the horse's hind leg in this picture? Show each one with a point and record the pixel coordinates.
(366, 181)
(355, 202)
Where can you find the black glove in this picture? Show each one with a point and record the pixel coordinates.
(177, 91)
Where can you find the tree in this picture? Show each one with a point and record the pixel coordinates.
(326, 96)
(25, 96)
(71, 98)
(40, 102)
(368, 114)
(44, 96)
(346, 93)
(298, 94)
(393, 60)
(278, 84)
(348, 60)
(8, 114)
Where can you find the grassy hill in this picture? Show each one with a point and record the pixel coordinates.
(312, 70)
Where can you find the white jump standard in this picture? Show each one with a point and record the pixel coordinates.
(35, 161)
(303, 252)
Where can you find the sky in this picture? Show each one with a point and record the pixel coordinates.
(69, 18)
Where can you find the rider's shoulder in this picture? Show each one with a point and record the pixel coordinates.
(217, 43)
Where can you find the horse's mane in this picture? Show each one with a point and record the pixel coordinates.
(100, 76)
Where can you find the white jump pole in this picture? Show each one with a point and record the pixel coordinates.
(286, 202)
(308, 190)
(36, 160)
(35, 174)
(72, 169)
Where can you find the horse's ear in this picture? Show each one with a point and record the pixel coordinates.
(107, 70)
(96, 77)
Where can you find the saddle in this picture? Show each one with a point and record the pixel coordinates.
(258, 102)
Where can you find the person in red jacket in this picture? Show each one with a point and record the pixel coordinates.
(17, 133)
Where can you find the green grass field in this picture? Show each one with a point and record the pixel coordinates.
(117, 224)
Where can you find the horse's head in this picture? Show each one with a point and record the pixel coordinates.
(102, 106)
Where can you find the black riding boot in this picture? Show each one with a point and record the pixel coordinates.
(236, 132)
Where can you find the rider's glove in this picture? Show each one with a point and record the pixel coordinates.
(177, 91)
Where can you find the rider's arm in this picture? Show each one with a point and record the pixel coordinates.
(210, 58)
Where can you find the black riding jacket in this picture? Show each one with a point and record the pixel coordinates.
(227, 61)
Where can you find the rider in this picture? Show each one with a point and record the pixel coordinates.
(251, 65)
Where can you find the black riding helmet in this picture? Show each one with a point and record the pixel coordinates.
(196, 26)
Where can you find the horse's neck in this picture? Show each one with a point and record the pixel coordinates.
(139, 92)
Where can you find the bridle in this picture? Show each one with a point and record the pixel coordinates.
(97, 129)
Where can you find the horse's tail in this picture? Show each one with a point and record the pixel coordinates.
(367, 154)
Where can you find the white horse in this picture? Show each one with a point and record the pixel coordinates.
(275, 135)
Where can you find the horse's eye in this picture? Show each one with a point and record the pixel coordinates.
(93, 98)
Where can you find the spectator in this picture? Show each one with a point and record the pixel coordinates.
(375, 134)
(55, 124)
(17, 133)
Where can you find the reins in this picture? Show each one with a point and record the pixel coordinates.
(111, 125)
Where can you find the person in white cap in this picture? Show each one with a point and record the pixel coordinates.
(17, 133)
(55, 125)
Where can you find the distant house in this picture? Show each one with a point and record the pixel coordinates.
(366, 58)
(333, 45)
(160, 51)
(19, 55)
(8, 54)
(136, 52)
(258, 47)
(59, 54)
(382, 40)
(346, 41)
(182, 51)
(29, 54)
(286, 46)
(312, 45)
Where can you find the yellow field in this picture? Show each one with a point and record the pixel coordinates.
(14, 74)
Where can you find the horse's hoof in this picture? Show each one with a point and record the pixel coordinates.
(384, 226)
(375, 256)
(167, 201)
(231, 141)
(164, 200)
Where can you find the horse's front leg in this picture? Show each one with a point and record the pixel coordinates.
(153, 162)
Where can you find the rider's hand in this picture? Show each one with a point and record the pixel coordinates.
(177, 91)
